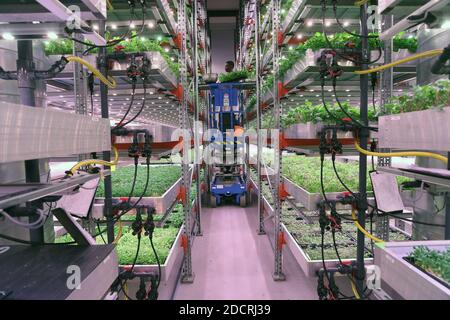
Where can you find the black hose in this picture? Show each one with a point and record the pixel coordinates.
(133, 92)
(139, 112)
(6, 237)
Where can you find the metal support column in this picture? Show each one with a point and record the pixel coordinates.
(363, 135)
(187, 275)
(386, 80)
(197, 125)
(261, 229)
(106, 154)
(27, 85)
(278, 267)
(447, 210)
(80, 83)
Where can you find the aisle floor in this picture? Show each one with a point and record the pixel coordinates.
(231, 261)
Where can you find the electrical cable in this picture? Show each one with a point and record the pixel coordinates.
(401, 154)
(344, 29)
(425, 54)
(333, 234)
(139, 112)
(157, 261)
(33, 225)
(364, 231)
(110, 82)
(123, 38)
(139, 199)
(133, 92)
(324, 265)
(83, 163)
(100, 233)
(325, 105)
(324, 8)
(359, 124)
(113, 42)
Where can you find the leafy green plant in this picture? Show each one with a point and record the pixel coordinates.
(136, 44)
(436, 95)
(161, 179)
(308, 237)
(307, 112)
(163, 240)
(234, 76)
(432, 261)
(402, 42)
(305, 172)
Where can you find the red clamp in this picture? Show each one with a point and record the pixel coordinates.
(282, 141)
(178, 92)
(118, 48)
(282, 193)
(280, 38)
(282, 91)
(182, 195)
(184, 242)
(281, 240)
(178, 40)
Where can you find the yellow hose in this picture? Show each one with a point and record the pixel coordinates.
(425, 54)
(369, 235)
(84, 163)
(355, 292)
(401, 154)
(125, 289)
(110, 82)
(119, 233)
(361, 2)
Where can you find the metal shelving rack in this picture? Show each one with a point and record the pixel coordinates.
(104, 256)
(277, 235)
(394, 15)
(280, 34)
(188, 32)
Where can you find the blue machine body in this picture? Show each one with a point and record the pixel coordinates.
(225, 113)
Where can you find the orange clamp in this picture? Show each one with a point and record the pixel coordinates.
(178, 92)
(184, 242)
(182, 195)
(282, 193)
(282, 140)
(280, 38)
(282, 91)
(178, 40)
(281, 240)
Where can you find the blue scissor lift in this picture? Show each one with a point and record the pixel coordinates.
(226, 175)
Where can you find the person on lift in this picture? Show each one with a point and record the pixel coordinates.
(229, 66)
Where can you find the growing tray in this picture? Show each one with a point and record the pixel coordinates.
(419, 130)
(169, 270)
(308, 266)
(311, 130)
(160, 71)
(307, 199)
(161, 204)
(402, 279)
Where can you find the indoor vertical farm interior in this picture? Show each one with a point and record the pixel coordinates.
(224, 150)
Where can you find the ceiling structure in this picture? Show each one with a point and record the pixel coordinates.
(223, 23)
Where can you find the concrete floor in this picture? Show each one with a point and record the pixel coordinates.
(230, 261)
